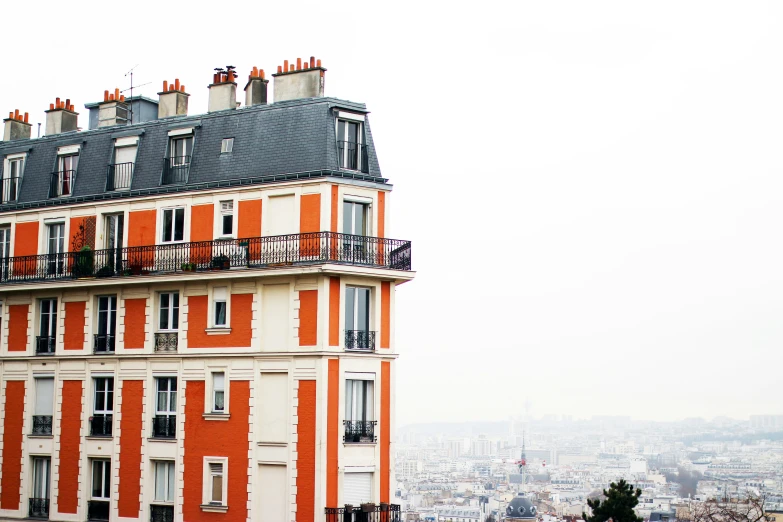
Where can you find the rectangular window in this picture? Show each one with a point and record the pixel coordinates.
(220, 295)
(166, 396)
(55, 248)
(121, 171)
(181, 150)
(169, 311)
(355, 218)
(12, 179)
(107, 321)
(104, 395)
(227, 145)
(216, 485)
(227, 218)
(164, 481)
(359, 400)
(101, 480)
(5, 250)
(173, 225)
(44, 396)
(349, 144)
(42, 470)
(48, 322)
(62, 180)
(218, 392)
(357, 309)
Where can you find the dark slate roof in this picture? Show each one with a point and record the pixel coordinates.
(286, 140)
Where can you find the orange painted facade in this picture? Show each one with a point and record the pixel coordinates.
(202, 222)
(73, 337)
(249, 225)
(82, 230)
(67, 493)
(385, 424)
(17, 327)
(211, 438)
(25, 244)
(310, 221)
(308, 317)
(131, 434)
(141, 232)
(305, 447)
(332, 433)
(381, 214)
(13, 421)
(334, 311)
(135, 323)
(385, 314)
(240, 323)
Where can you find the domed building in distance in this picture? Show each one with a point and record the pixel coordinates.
(520, 508)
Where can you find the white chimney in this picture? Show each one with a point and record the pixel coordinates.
(303, 81)
(16, 127)
(61, 117)
(256, 88)
(172, 100)
(223, 90)
(113, 110)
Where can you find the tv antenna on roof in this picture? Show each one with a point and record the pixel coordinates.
(130, 73)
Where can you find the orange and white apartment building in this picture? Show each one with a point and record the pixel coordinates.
(197, 312)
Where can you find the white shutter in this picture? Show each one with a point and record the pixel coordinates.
(357, 488)
(125, 155)
(44, 397)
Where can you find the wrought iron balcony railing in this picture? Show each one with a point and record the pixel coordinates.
(61, 183)
(353, 156)
(9, 191)
(101, 424)
(365, 513)
(44, 345)
(257, 252)
(359, 431)
(164, 426)
(161, 513)
(104, 343)
(362, 340)
(97, 510)
(42, 424)
(38, 508)
(175, 170)
(166, 341)
(119, 176)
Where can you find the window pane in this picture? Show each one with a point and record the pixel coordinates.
(350, 296)
(347, 217)
(179, 224)
(167, 225)
(170, 489)
(369, 399)
(219, 401)
(44, 397)
(228, 224)
(175, 311)
(217, 489)
(160, 481)
(106, 480)
(220, 313)
(353, 132)
(348, 399)
(359, 211)
(363, 312)
(97, 478)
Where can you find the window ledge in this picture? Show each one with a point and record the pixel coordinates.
(171, 440)
(214, 508)
(37, 436)
(220, 330)
(368, 443)
(99, 437)
(216, 416)
(274, 444)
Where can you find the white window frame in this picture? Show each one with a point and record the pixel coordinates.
(169, 393)
(106, 472)
(350, 118)
(105, 391)
(369, 410)
(218, 389)
(355, 317)
(10, 159)
(184, 137)
(37, 404)
(227, 146)
(209, 400)
(170, 314)
(170, 488)
(54, 312)
(41, 477)
(220, 294)
(111, 327)
(367, 203)
(207, 504)
(227, 207)
(173, 211)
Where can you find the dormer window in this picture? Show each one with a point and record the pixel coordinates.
(64, 177)
(12, 178)
(350, 143)
(177, 165)
(120, 173)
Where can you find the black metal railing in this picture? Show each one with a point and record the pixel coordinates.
(119, 176)
(44, 344)
(166, 341)
(175, 170)
(164, 426)
(42, 424)
(97, 510)
(9, 191)
(38, 508)
(353, 156)
(104, 343)
(257, 252)
(161, 513)
(359, 431)
(101, 424)
(61, 183)
(365, 513)
(363, 340)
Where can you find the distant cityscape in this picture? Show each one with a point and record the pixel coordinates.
(470, 472)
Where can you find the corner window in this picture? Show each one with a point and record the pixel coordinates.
(168, 311)
(227, 146)
(218, 392)
(215, 490)
(219, 296)
(12, 178)
(173, 225)
(227, 218)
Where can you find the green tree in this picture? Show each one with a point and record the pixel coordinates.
(617, 505)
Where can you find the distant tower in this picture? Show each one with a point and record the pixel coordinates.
(523, 461)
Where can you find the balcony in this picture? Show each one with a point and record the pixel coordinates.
(312, 248)
(360, 340)
(38, 508)
(353, 156)
(44, 345)
(61, 183)
(119, 176)
(365, 513)
(98, 510)
(9, 191)
(161, 513)
(42, 424)
(103, 343)
(166, 341)
(100, 425)
(359, 431)
(164, 426)
(175, 170)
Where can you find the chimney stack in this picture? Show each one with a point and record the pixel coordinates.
(61, 117)
(16, 127)
(299, 81)
(223, 90)
(172, 100)
(113, 110)
(256, 88)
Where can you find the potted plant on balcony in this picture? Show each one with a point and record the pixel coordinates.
(105, 271)
(221, 262)
(368, 507)
(188, 267)
(84, 262)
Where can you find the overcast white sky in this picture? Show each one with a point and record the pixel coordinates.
(593, 188)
